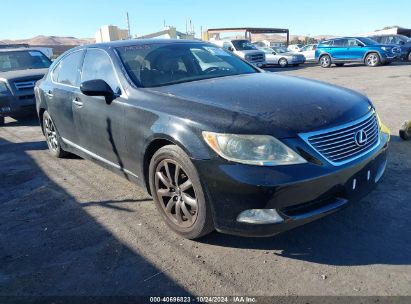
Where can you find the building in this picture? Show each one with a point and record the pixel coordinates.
(169, 32)
(109, 33)
(390, 31)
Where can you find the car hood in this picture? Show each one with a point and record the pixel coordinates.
(282, 106)
(250, 52)
(12, 75)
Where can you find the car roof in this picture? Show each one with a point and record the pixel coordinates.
(131, 42)
(5, 50)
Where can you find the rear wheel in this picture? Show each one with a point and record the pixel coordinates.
(283, 62)
(372, 60)
(339, 64)
(325, 61)
(52, 137)
(405, 130)
(178, 194)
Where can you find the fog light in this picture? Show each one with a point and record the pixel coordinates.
(380, 171)
(260, 216)
(5, 109)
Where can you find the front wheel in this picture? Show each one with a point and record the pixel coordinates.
(325, 61)
(405, 130)
(372, 60)
(283, 62)
(52, 137)
(178, 193)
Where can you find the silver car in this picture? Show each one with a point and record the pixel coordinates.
(282, 57)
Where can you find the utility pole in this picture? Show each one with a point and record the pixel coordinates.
(128, 26)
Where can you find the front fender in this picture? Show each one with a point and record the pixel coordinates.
(184, 133)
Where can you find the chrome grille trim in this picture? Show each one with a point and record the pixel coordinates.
(24, 85)
(338, 145)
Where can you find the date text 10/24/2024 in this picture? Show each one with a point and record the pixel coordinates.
(234, 299)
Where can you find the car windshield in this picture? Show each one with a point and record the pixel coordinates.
(243, 45)
(151, 65)
(267, 50)
(404, 38)
(22, 60)
(280, 50)
(367, 41)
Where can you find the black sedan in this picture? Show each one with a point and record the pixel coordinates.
(218, 143)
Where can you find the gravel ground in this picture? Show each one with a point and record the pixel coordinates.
(70, 227)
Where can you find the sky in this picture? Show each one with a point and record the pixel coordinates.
(82, 18)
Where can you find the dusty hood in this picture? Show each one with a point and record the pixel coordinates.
(12, 75)
(268, 103)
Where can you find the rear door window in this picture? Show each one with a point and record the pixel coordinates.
(340, 43)
(67, 71)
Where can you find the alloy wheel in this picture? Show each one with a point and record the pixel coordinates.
(176, 193)
(51, 134)
(372, 60)
(283, 62)
(325, 61)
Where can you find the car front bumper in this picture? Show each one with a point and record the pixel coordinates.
(12, 105)
(298, 193)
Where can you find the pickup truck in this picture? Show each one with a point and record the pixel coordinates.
(244, 49)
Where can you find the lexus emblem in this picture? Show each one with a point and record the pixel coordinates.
(361, 138)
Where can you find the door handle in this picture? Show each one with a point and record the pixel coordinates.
(49, 93)
(77, 102)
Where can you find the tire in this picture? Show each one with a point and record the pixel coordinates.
(405, 131)
(181, 203)
(339, 64)
(52, 137)
(2, 121)
(409, 56)
(283, 62)
(372, 60)
(325, 61)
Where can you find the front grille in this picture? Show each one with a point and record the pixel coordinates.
(396, 50)
(25, 97)
(257, 58)
(347, 142)
(25, 85)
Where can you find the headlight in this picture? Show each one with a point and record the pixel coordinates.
(383, 127)
(3, 89)
(261, 150)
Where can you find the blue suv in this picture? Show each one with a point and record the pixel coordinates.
(355, 49)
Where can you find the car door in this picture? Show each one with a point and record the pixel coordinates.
(61, 93)
(100, 124)
(339, 49)
(355, 50)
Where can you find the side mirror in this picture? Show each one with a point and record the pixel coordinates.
(97, 87)
(231, 49)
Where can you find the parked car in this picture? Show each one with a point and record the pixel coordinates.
(308, 51)
(244, 49)
(355, 49)
(282, 57)
(295, 48)
(19, 71)
(402, 41)
(230, 147)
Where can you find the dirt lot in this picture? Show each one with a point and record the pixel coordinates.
(69, 227)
